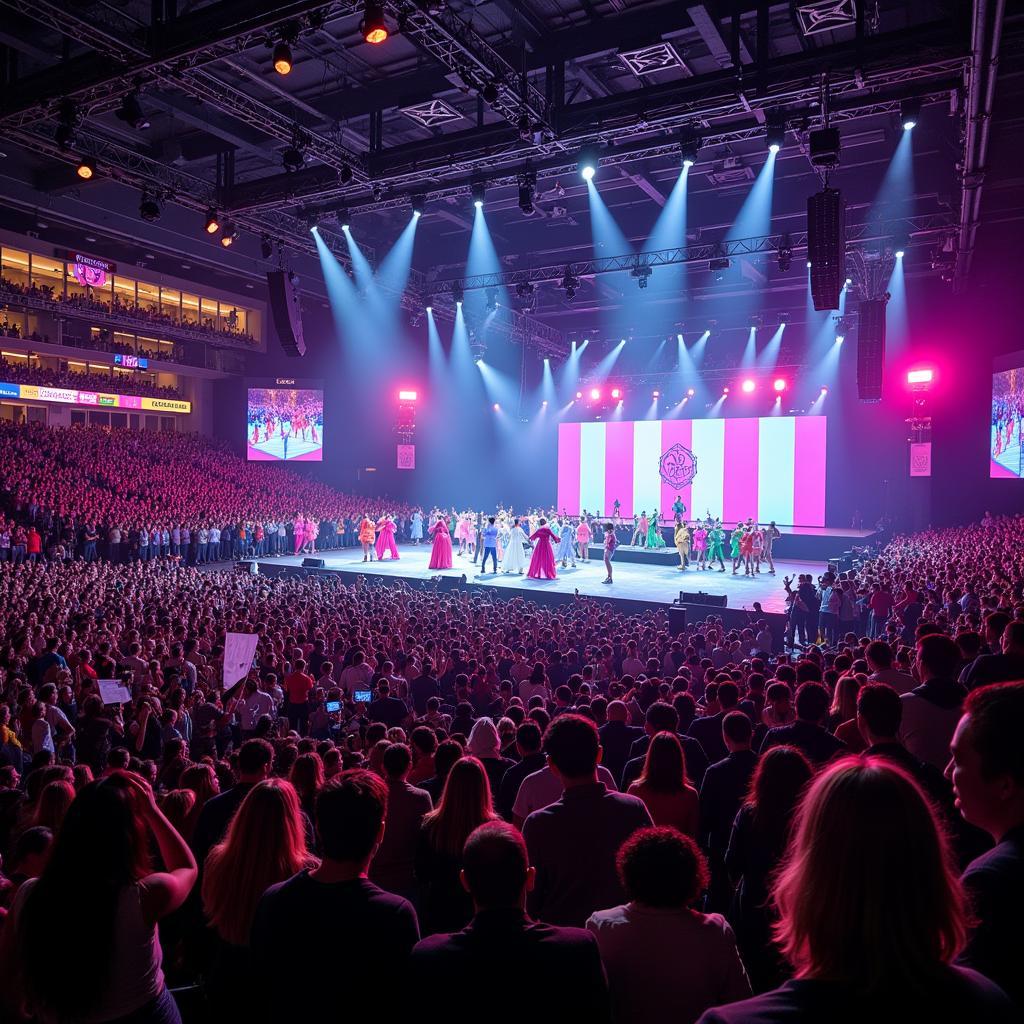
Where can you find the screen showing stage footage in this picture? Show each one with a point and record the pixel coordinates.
(285, 424)
(767, 469)
(1006, 459)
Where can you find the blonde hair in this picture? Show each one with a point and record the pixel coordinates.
(265, 844)
(867, 893)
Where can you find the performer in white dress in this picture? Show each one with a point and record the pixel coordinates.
(514, 560)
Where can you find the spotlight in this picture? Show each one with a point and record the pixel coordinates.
(588, 162)
(428, 303)
(616, 393)
(779, 384)
(775, 135)
(458, 292)
(840, 338)
(497, 408)
(544, 403)
(725, 390)
(527, 190)
(149, 208)
(212, 223)
(748, 386)
(655, 394)
(228, 234)
(808, 264)
(489, 93)
(824, 389)
(848, 282)
(373, 27)
(899, 254)
(492, 299)
(641, 275)
(86, 168)
(570, 283)
(579, 394)
(343, 218)
(479, 192)
(293, 158)
(345, 174)
(785, 255)
(689, 149)
(595, 393)
(419, 204)
(64, 135)
(920, 376)
(266, 247)
(283, 58)
(131, 112)
(910, 111)
(690, 392)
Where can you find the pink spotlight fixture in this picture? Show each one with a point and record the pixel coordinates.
(408, 396)
(616, 393)
(725, 390)
(748, 386)
(923, 376)
(595, 393)
(579, 394)
(779, 384)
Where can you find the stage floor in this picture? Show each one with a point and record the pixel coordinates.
(633, 581)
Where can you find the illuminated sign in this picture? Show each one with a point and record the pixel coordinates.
(131, 362)
(69, 396)
(88, 271)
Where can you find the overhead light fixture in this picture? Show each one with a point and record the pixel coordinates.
(570, 284)
(419, 203)
(212, 223)
(775, 135)
(228, 234)
(490, 92)
(641, 274)
(131, 112)
(900, 253)
(86, 168)
(283, 58)
(492, 299)
(910, 111)
(689, 149)
(64, 135)
(149, 208)
(266, 247)
(373, 27)
(527, 192)
(344, 174)
(785, 255)
(588, 162)
(479, 193)
(458, 292)
(293, 158)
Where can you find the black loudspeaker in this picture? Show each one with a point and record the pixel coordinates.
(286, 310)
(714, 600)
(312, 563)
(870, 349)
(676, 620)
(826, 247)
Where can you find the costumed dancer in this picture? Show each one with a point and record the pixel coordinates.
(700, 545)
(616, 516)
(771, 535)
(416, 533)
(756, 547)
(583, 539)
(681, 538)
(747, 550)
(567, 544)
(542, 563)
(367, 535)
(441, 552)
(654, 537)
(643, 528)
(678, 508)
(734, 547)
(386, 539)
(610, 544)
(299, 528)
(716, 546)
(515, 559)
(462, 534)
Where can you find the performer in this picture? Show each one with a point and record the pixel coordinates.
(542, 563)
(610, 544)
(416, 534)
(700, 545)
(386, 539)
(756, 547)
(515, 559)
(616, 517)
(441, 552)
(716, 546)
(489, 540)
(583, 539)
(462, 533)
(367, 534)
(643, 528)
(567, 544)
(682, 542)
(747, 550)
(654, 537)
(771, 534)
(299, 528)
(734, 547)
(678, 508)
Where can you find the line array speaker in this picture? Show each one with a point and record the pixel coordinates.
(870, 349)
(286, 311)
(826, 247)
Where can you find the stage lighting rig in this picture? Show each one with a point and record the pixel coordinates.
(492, 299)
(419, 203)
(477, 347)
(588, 162)
(458, 293)
(69, 119)
(478, 190)
(373, 27)
(910, 111)
(527, 192)
(570, 284)
(266, 247)
(130, 111)
(689, 149)
(282, 57)
(86, 169)
(775, 134)
(294, 157)
(785, 255)
(490, 92)
(228, 234)
(212, 223)
(641, 274)
(149, 208)
(824, 145)
(344, 175)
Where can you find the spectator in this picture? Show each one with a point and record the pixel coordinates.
(879, 658)
(502, 942)
(664, 787)
(485, 744)
(870, 916)
(529, 747)
(664, 959)
(1002, 667)
(931, 710)
(332, 916)
(574, 841)
(807, 733)
(617, 737)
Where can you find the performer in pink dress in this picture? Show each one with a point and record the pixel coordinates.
(441, 552)
(300, 533)
(386, 539)
(644, 525)
(542, 563)
(583, 539)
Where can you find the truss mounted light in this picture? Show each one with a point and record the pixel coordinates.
(588, 162)
(130, 111)
(212, 222)
(86, 168)
(649, 60)
(373, 27)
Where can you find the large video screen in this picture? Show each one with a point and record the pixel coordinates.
(772, 468)
(1005, 454)
(285, 424)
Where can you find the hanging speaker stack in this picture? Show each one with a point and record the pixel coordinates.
(870, 349)
(826, 247)
(286, 310)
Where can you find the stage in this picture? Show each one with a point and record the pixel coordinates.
(634, 583)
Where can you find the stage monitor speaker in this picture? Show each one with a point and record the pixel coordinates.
(676, 619)
(714, 600)
(826, 247)
(312, 563)
(870, 349)
(286, 310)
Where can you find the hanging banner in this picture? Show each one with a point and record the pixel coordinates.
(239, 649)
(921, 458)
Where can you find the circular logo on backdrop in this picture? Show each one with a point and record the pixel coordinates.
(678, 466)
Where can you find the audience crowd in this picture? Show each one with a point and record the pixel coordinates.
(121, 383)
(416, 802)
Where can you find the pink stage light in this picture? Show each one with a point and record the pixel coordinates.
(748, 386)
(595, 393)
(407, 396)
(779, 385)
(579, 394)
(920, 376)
(725, 390)
(824, 389)
(616, 393)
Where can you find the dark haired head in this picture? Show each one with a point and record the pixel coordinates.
(255, 757)
(812, 702)
(661, 867)
(495, 865)
(350, 811)
(571, 742)
(880, 710)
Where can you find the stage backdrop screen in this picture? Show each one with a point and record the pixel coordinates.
(1005, 455)
(771, 468)
(285, 423)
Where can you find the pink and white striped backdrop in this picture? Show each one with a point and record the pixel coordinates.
(772, 468)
